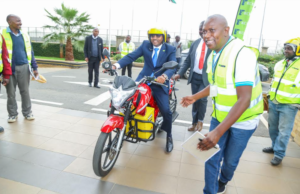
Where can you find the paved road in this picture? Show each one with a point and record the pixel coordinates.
(68, 88)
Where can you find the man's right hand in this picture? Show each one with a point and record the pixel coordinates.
(87, 60)
(113, 67)
(176, 77)
(5, 81)
(186, 101)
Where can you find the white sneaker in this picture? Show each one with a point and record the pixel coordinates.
(12, 119)
(29, 117)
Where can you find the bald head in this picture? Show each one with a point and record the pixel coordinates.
(95, 32)
(10, 17)
(216, 32)
(14, 22)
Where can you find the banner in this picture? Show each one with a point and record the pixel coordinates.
(242, 18)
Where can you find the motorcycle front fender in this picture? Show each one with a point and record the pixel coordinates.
(112, 122)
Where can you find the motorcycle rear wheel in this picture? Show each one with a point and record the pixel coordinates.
(104, 151)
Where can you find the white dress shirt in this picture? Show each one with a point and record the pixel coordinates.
(197, 57)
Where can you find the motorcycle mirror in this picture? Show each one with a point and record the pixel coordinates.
(170, 65)
(105, 53)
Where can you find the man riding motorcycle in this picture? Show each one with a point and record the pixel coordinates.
(156, 53)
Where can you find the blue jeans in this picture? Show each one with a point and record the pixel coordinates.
(232, 144)
(281, 122)
(178, 61)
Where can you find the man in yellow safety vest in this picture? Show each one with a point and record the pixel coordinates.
(236, 91)
(284, 100)
(125, 48)
(22, 63)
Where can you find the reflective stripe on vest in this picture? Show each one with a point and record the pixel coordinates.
(225, 81)
(9, 45)
(286, 83)
(126, 50)
(1, 64)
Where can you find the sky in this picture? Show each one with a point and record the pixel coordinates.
(280, 24)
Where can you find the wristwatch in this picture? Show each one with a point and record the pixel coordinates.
(165, 76)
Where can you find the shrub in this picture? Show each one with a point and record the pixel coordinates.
(140, 60)
(117, 57)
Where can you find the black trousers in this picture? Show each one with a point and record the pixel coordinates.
(199, 107)
(94, 63)
(129, 67)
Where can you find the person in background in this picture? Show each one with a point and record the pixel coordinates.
(125, 48)
(93, 48)
(5, 68)
(22, 60)
(196, 61)
(168, 39)
(178, 46)
(284, 100)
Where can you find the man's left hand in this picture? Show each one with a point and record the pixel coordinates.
(35, 73)
(5, 81)
(210, 140)
(160, 79)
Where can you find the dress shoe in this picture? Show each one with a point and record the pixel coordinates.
(276, 161)
(1, 129)
(199, 126)
(268, 150)
(169, 146)
(192, 127)
(97, 87)
(90, 84)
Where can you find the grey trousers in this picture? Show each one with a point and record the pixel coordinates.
(22, 79)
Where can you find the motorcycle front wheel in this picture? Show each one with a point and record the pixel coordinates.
(105, 154)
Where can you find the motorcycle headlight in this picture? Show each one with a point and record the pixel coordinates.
(119, 96)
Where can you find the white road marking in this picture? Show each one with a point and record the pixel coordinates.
(189, 122)
(47, 102)
(86, 84)
(263, 120)
(103, 110)
(64, 76)
(99, 99)
(99, 109)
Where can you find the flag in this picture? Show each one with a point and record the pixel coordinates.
(242, 18)
(173, 1)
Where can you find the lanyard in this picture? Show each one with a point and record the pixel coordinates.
(215, 61)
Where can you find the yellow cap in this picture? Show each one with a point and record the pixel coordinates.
(157, 31)
(295, 43)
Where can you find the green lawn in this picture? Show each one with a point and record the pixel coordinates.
(56, 58)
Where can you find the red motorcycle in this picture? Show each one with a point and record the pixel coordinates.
(133, 116)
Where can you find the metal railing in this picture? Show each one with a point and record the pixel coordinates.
(137, 36)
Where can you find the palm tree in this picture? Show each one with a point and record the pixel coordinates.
(69, 26)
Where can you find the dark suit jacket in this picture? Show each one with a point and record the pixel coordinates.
(166, 53)
(190, 60)
(88, 47)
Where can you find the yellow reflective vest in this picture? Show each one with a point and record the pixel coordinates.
(127, 49)
(224, 78)
(286, 83)
(9, 45)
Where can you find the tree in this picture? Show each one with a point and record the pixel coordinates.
(70, 26)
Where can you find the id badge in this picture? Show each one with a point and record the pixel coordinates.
(213, 91)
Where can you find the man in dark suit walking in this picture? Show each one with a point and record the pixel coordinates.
(156, 53)
(197, 62)
(93, 48)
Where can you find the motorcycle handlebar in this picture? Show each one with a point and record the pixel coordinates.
(153, 82)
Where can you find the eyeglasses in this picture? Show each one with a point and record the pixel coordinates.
(155, 35)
